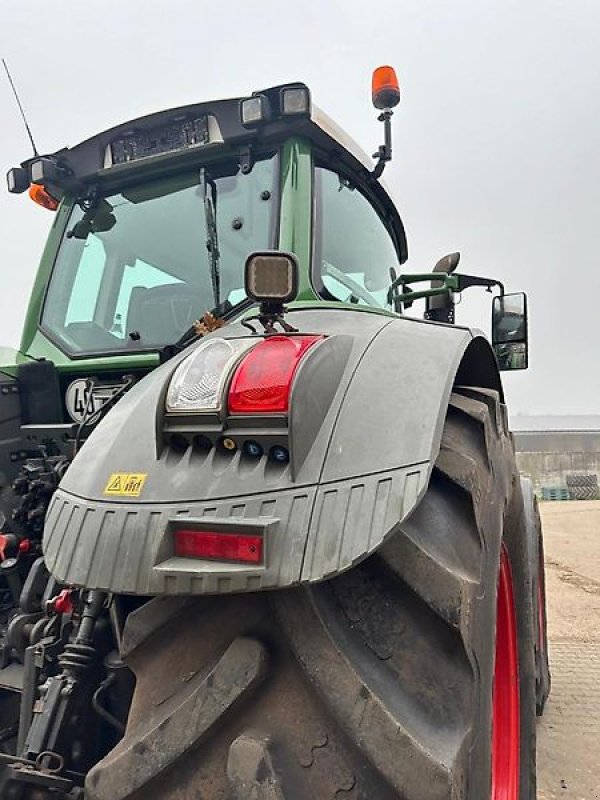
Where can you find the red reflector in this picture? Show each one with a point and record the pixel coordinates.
(261, 384)
(220, 546)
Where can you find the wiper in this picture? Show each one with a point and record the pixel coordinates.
(209, 196)
(209, 193)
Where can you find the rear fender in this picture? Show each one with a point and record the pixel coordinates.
(367, 409)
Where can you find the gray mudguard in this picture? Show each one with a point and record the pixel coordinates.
(366, 414)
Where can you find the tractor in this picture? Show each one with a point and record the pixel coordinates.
(262, 531)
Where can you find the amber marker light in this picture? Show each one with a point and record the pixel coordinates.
(385, 89)
(40, 196)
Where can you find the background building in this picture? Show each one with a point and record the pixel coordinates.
(553, 449)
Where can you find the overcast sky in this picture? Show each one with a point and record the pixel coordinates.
(496, 140)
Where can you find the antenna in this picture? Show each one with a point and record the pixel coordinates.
(27, 128)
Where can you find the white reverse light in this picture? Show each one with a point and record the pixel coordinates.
(197, 383)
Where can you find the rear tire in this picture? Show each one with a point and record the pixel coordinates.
(375, 685)
(535, 540)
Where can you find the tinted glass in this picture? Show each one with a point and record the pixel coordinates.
(134, 272)
(509, 318)
(354, 250)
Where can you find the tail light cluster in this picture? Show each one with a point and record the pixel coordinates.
(238, 378)
(262, 381)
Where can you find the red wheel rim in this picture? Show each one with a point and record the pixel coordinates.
(505, 719)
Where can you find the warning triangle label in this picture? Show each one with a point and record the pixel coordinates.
(125, 484)
(114, 485)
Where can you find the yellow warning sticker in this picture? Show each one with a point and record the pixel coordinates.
(126, 484)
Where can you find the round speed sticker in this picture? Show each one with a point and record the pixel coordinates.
(81, 401)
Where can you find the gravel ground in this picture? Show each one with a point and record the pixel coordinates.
(569, 731)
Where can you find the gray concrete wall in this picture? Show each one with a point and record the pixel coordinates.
(551, 469)
(548, 457)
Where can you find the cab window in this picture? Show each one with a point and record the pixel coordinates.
(354, 250)
(134, 269)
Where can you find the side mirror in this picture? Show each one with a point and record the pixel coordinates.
(509, 331)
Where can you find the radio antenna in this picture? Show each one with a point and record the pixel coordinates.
(13, 87)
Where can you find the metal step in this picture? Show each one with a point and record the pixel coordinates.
(11, 677)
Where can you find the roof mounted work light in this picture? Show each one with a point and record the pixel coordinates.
(255, 110)
(46, 170)
(17, 180)
(295, 101)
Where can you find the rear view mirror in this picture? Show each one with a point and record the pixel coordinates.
(509, 331)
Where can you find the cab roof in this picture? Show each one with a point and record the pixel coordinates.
(147, 147)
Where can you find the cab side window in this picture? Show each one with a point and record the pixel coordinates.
(354, 250)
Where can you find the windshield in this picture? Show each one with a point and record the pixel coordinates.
(136, 269)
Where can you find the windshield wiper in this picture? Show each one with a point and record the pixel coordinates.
(209, 194)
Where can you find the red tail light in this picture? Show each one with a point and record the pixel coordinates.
(211, 545)
(262, 382)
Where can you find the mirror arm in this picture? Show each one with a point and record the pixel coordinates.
(409, 296)
(466, 281)
(449, 282)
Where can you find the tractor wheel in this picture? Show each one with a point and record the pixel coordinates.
(535, 541)
(409, 677)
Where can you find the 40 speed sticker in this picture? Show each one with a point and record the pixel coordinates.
(125, 484)
(84, 399)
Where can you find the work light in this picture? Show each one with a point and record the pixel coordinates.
(45, 170)
(295, 100)
(271, 277)
(17, 180)
(254, 110)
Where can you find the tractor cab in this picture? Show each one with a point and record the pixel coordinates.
(155, 220)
